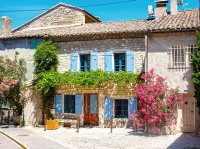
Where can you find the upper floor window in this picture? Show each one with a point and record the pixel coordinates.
(121, 108)
(119, 62)
(179, 56)
(69, 103)
(85, 62)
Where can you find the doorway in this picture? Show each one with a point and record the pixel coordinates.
(91, 116)
(188, 114)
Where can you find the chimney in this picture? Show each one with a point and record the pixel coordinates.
(174, 7)
(161, 8)
(6, 27)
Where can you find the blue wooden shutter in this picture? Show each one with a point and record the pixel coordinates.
(93, 104)
(108, 61)
(132, 106)
(108, 108)
(78, 104)
(94, 60)
(74, 62)
(130, 61)
(58, 104)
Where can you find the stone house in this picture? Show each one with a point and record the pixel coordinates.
(164, 42)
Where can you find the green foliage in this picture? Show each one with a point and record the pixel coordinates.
(46, 57)
(196, 71)
(54, 79)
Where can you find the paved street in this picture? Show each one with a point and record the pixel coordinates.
(30, 139)
(6, 143)
(97, 138)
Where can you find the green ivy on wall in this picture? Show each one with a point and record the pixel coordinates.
(54, 79)
(196, 71)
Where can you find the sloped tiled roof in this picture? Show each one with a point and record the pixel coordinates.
(182, 21)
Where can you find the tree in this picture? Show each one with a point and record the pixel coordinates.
(46, 57)
(195, 62)
(45, 60)
(157, 103)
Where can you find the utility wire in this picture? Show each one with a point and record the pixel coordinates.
(95, 5)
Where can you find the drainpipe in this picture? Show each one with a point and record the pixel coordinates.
(146, 69)
(146, 54)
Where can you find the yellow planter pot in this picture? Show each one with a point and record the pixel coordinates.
(52, 124)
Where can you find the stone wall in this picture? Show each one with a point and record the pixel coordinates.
(102, 94)
(59, 16)
(158, 59)
(101, 46)
(33, 113)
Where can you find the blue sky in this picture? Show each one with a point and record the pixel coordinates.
(124, 11)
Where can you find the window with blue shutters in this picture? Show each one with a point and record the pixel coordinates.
(121, 108)
(58, 103)
(78, 104)
(108, 108)
(94, 60)
(130, 61)
(108, 61)
(74, 62)
(132, 106)
(69, 103)
(119, 62)
(85, 62)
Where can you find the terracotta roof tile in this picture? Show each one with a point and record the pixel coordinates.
(182, 21)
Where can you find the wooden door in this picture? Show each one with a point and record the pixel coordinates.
(91, 116)
(188, 114)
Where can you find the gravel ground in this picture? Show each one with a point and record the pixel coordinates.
(101, 138)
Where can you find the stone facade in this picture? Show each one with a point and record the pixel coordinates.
(102, 93)
(33, 109)
(101, 46)
(158, 58)
(62, 15)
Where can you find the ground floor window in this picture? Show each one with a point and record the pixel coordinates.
(69, 103)
(121, 108)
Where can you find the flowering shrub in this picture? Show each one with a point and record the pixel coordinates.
(12, 74)
(157, 103)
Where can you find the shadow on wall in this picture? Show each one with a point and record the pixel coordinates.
(33, 108)
(185, 141)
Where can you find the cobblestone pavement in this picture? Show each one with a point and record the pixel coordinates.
(101, 138)
(6, 143)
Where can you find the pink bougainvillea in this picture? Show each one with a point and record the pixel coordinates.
(157, 102)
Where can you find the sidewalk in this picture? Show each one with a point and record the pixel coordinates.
(30, 139)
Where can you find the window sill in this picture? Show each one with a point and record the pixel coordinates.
(179, 67)
(120, 117)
